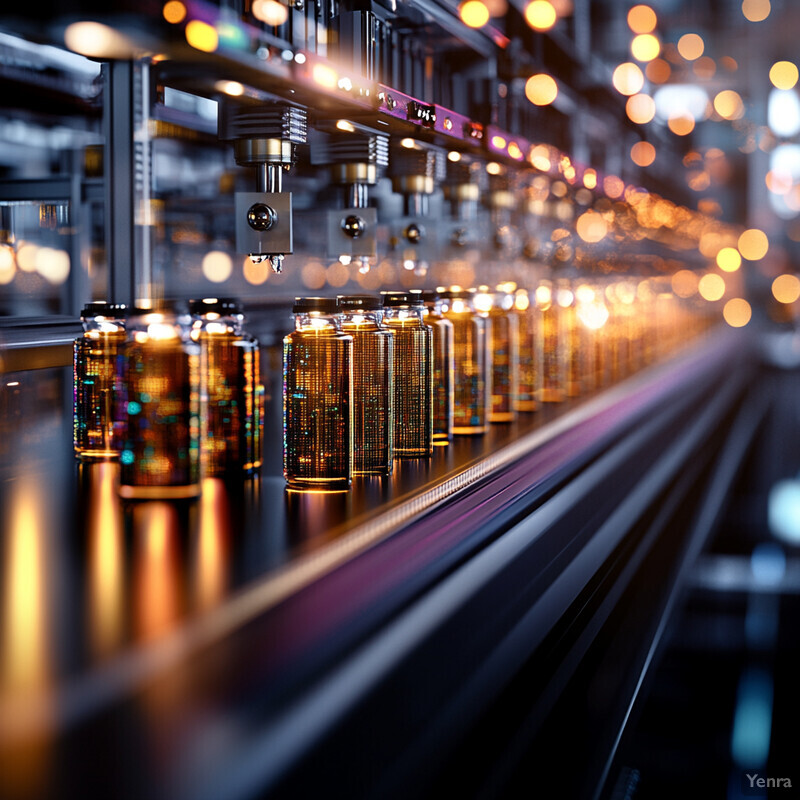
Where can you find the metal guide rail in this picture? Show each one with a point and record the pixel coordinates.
(207, 649)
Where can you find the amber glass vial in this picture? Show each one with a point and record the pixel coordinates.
(526, 383)
(162, 406)
(589, 315)
(549, 340)
(231, 364)
(97, 430)
(373, 384)
(504, 347)
(413, 374)
(471, 332)
(317, 398)
(571, 342)
(443, 368)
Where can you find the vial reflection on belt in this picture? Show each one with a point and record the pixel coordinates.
(161, 407)
(317, 398)
(96, 429)
(231, 358)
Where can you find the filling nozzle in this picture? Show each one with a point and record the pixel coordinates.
(355, 157)
(265, 138)
(416, 170)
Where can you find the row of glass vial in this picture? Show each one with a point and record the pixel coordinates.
(367, 380)
(173, 392)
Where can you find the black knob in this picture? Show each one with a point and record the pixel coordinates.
(414, 233)
(459, 237)
(353, 226)
(260, 217)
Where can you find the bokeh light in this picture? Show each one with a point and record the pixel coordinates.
(753, 244)
(337, 275)
(737, 312)
(684, 283)
(704, 68)
(95, 40)
(786, 288)
(691, 46)
(643, 154)
(540, 15)
(640, 108)
(711, 287)
(201, 36)
(628, 78)
(474, 13)
(658, 71)
(728, 104)
(681, 124)
(231, 88)
(541, 89)
(783, 75)
(756, 10)
(256, 274)
(174, 11)
(591, 226)
(26, 256)
(313, 275)
(217, 266)
(613, 186)
(270, 12)
(729, 259)
(645, 47)
(642, 19)
(540, 157)
(53, 264)
(8, 267)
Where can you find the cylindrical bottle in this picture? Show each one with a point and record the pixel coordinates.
(471, 332)
(443, 368)
(413, 374)
(504, 347)
(526, 385)
(589, 317)
(97, 430)
(549, 350)
(231, 364)
(162, 407)
(571, 340)
(317, 398)
(373, 384)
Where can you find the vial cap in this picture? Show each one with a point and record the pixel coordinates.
(430, 295)
(326, 305)
(354, 302)
(176, 307)
(102, 308)
(456, 293)
(217, 305)
(393, 299)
